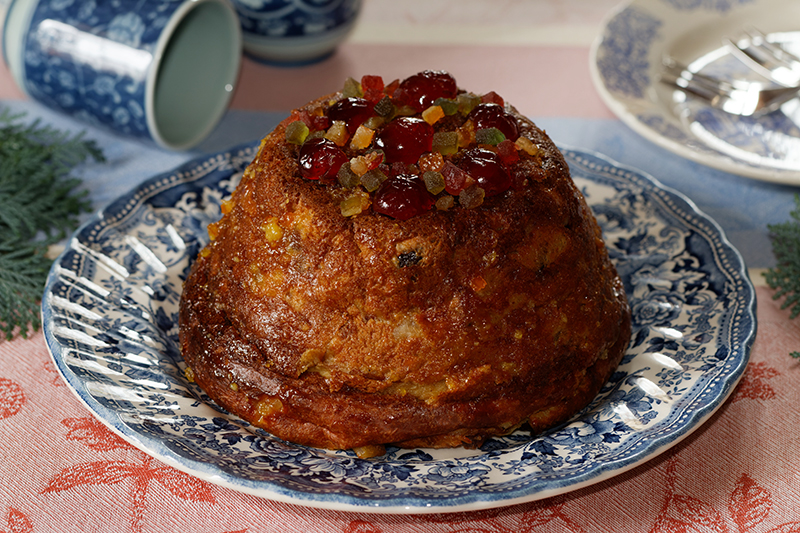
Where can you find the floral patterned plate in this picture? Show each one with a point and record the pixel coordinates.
(110, 322)
(626, 61)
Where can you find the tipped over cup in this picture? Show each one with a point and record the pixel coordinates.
(163, 70)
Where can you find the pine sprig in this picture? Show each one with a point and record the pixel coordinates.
(39, 205)
(785, 276)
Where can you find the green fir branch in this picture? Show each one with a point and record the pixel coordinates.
(40, 203)
(784, 278)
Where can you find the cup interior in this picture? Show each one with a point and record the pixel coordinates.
(197, 64)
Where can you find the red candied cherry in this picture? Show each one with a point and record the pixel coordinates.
(489, 115)
(421, 90)
(320, 159)
(373, 87)
(402, 197)
(405, 139)
(352, 111)
(485, 168)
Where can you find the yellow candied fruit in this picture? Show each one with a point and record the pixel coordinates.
(366, 452)
(518, 334)
(226, 206)
(445, 202)
(478, 283)
(355, 204)
(273, 232)
(234, 386)
(361, 138)
(213, 231)
(268, 406)
(189, 373)
(466, 134)
(527, 146)
(362, 164)
(433, 114)
(337, 133)
(205, 252)
(431, 162)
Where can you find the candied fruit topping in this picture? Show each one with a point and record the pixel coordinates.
(491, 136)
(296, 132)
(433, 114)
(320, 159)
(490, 115)
(351, 111)
(445, 142)
(405, 139)
(421, 90)
(485, 167)
(402, 197)
(412, 145)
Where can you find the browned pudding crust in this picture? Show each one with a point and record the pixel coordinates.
(440, 330)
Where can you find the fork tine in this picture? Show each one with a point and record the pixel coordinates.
(705, 87)
(765, 58)
(778, 53)
(749, 99)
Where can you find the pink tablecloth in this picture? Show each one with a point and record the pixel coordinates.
(62, 470)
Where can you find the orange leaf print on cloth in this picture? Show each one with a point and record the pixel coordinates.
(139, 476)
(749, 506)
(17, 522)
(12, 398)
(754, 384)
(93, 434)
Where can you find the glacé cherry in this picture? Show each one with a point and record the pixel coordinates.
(405, 139)
(488, 115)
(320, 159)
(487, 170)
(421, 90)
(402, 197)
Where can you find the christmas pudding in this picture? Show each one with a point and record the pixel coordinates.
(408, 264)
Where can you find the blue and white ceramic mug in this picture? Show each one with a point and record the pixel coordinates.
(155, 69)
(295, 31)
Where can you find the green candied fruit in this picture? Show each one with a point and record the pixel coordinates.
(467, 102)
(296, 132)
(450, 107)
(491, 136)
(372, 179)
(434, 181)
(384, 108)
(445, 142)
(352, 89)
(346, 176)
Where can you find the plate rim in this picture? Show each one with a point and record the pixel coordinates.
(719, 161)
(415, 504)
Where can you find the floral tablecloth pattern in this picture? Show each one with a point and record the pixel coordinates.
(62, 470)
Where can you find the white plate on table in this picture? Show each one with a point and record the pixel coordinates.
(110, 321)
(626, 59)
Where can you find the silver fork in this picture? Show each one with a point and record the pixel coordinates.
(737, 98)
(766, 58)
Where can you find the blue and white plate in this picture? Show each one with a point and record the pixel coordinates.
(110, 319)
(626, 61)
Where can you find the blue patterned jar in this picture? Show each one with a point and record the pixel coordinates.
(295, 31)
(154, 69)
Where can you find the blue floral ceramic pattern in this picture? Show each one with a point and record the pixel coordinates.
(626, 64)
(721, 6)
(60, 72)
(110, 321)
(295, 18)
(623, 60)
